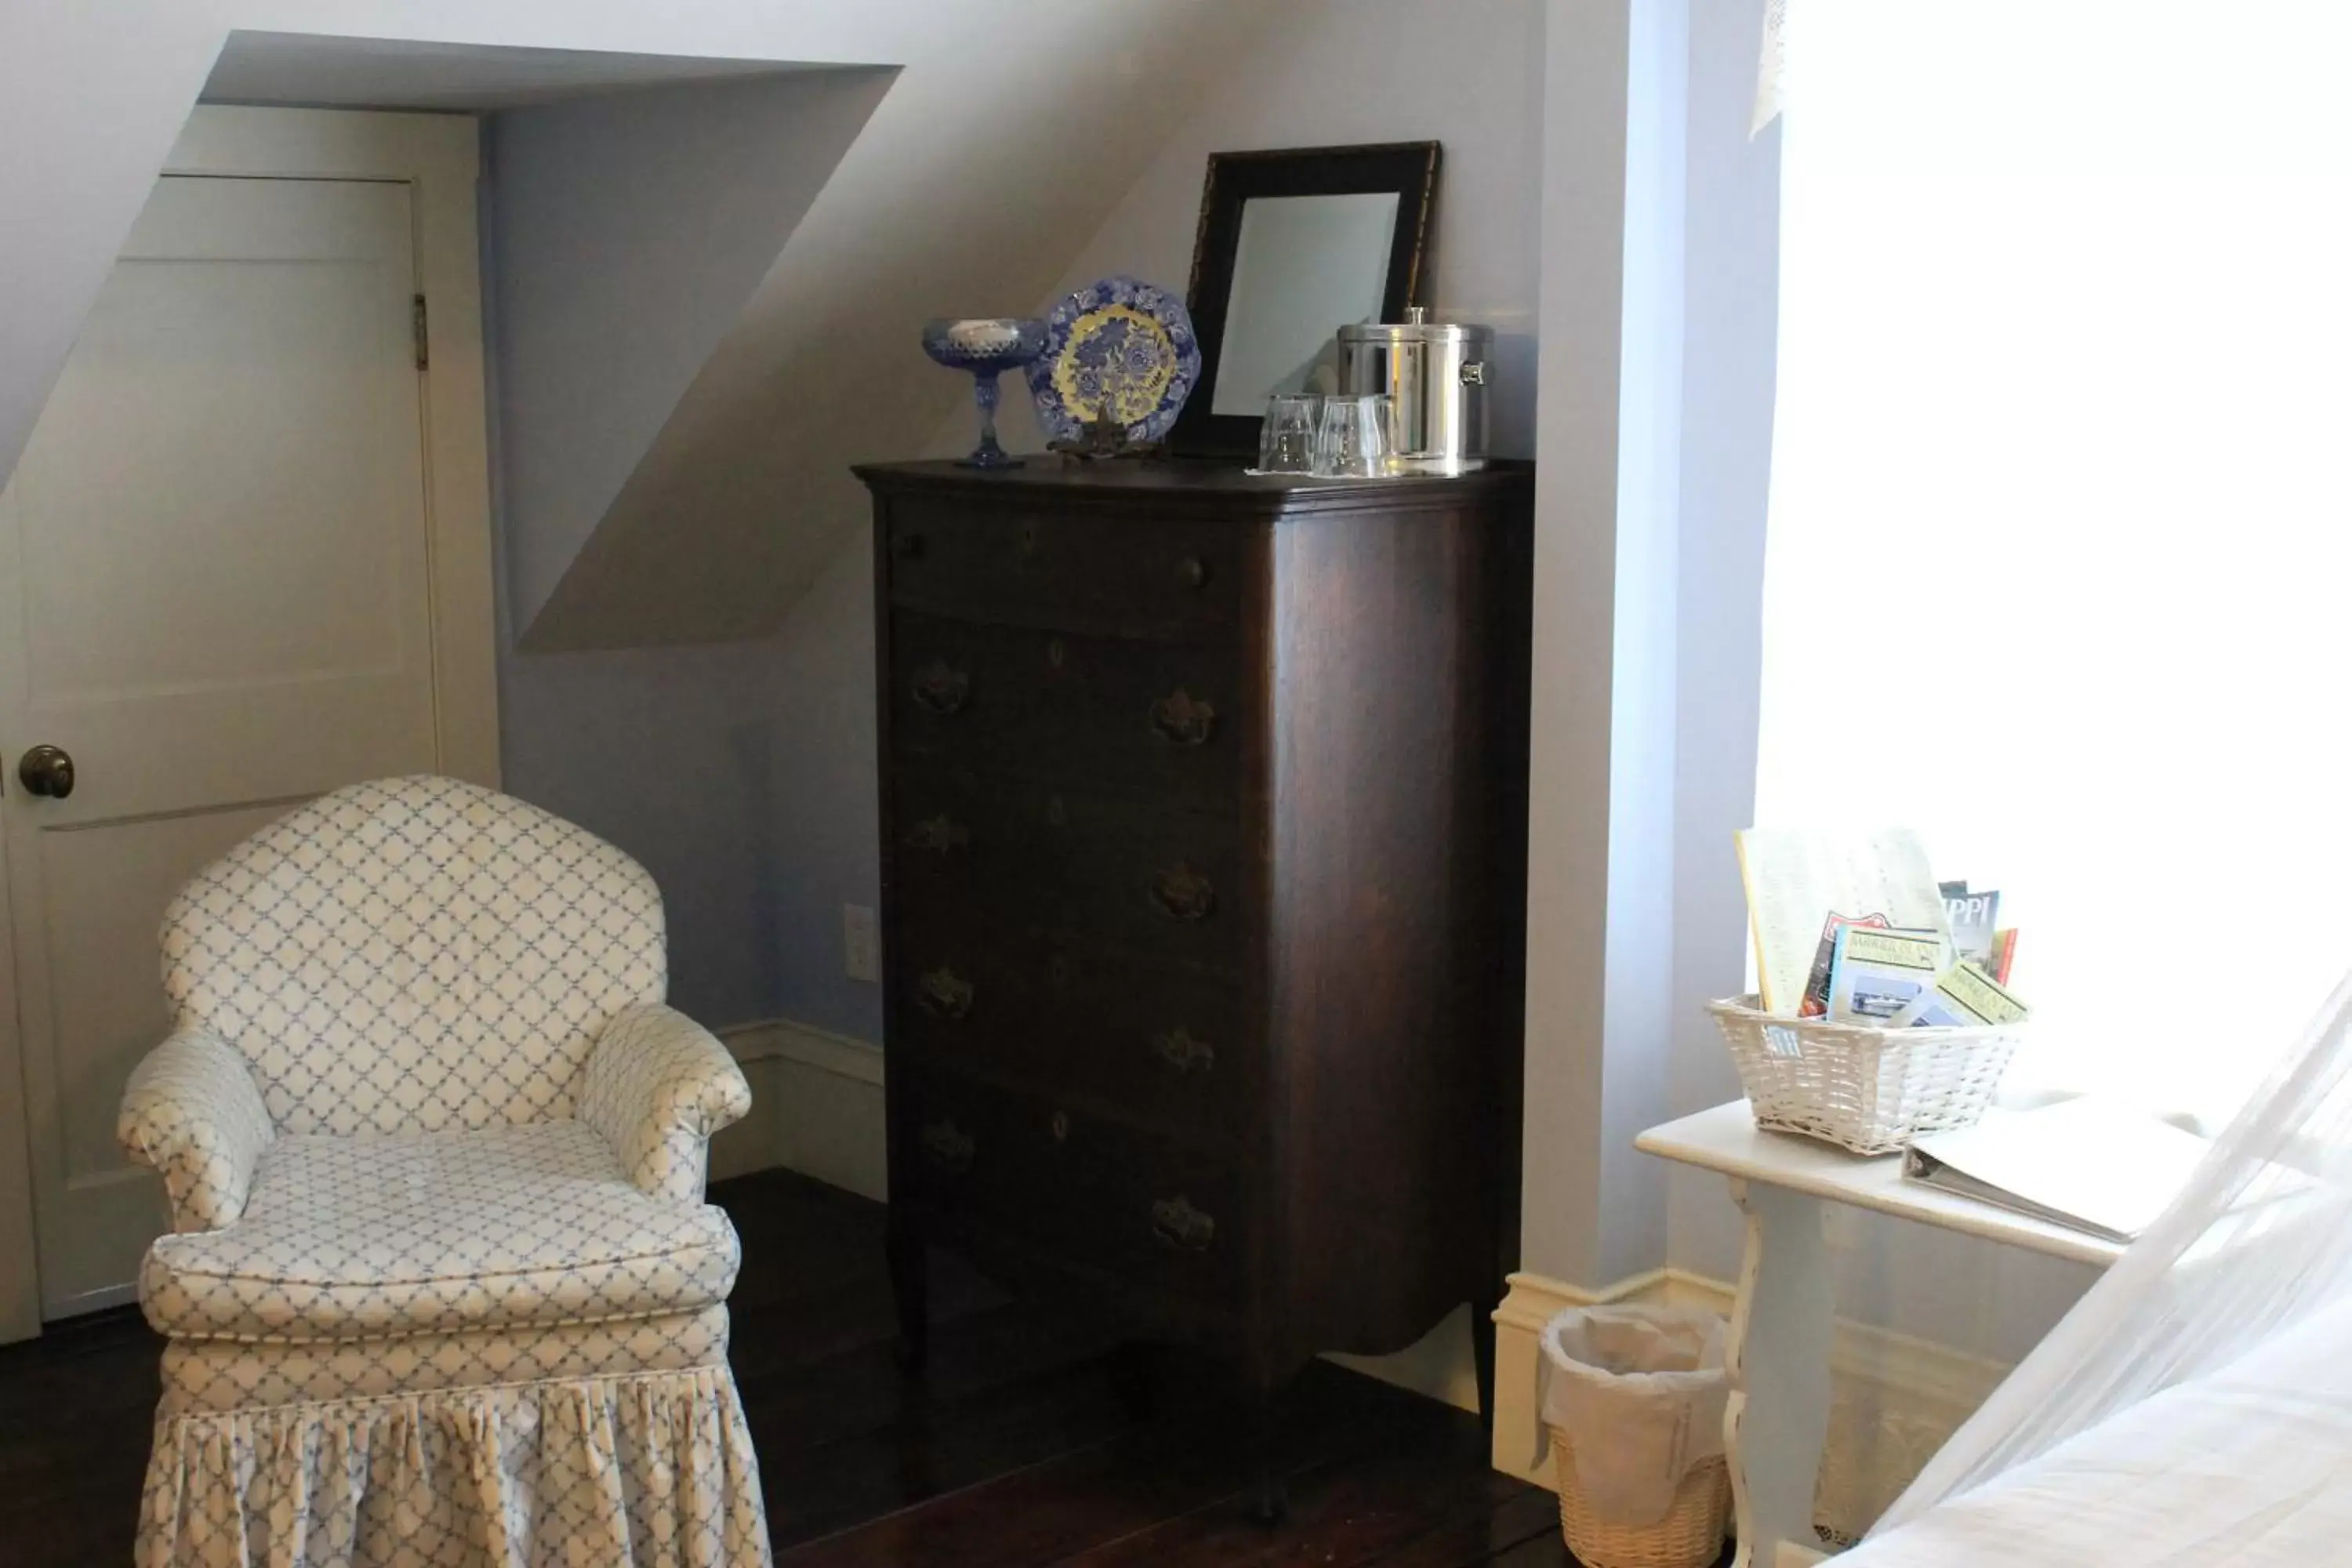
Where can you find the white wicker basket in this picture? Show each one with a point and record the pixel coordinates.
(1865, 1088)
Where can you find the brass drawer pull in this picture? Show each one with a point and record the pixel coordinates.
(1192, 571)
(949, 1146)
(942, 689)
(1183, 720)
(1059, 1123)
(1180, 1050)
(1176, 1222)
(1182, 893)
(944, 993)
(938, 833)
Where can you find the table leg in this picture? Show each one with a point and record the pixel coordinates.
(1778, 1359)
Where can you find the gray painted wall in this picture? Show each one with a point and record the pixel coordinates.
(630, 230)
(623, 233)
(1468, 75)
(773, 831)
(1731, 300)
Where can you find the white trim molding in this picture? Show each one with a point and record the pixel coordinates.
(816, 1107)
(1894, 1400)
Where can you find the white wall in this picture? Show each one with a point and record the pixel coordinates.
(624, 233)
(631, 228)
(1005, 123)
(1468, 74)
(1731, 303)
(1600, 834)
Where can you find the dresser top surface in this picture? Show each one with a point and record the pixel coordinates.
(1179, 479)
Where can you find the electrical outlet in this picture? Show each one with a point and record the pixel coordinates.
(861, 943)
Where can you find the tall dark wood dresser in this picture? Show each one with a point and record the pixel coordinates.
(1204, 867)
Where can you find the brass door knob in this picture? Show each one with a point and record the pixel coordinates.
(45, 770)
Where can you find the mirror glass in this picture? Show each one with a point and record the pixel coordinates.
(1304, 266)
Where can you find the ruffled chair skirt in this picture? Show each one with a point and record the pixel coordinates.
(641, 1470)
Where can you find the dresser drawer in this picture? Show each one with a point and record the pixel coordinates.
(1164, 718)
(977, 852)
(1027, 566)
(1159, 1046)
(1101, 1196)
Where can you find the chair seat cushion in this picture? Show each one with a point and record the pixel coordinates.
(360, 1237)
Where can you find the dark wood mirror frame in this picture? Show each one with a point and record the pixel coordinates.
(1407, 168)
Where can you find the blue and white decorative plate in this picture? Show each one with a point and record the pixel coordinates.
(1123, 346)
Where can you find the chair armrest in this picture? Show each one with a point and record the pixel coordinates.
(192, 1113)
(658, 1085)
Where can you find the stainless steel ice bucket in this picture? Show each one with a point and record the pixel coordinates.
(1439, 375)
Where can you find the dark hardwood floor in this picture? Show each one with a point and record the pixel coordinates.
(1033, 1437)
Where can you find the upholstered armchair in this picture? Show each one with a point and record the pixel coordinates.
(441, 1287)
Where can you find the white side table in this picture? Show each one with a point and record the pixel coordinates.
(1781, 1318)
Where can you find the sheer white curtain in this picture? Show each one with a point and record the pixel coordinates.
(2061, 526)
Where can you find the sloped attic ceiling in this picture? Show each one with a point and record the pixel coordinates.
(726, 518)
(1005, 138)
(626, 232)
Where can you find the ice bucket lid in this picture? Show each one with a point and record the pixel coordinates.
(1418, 328)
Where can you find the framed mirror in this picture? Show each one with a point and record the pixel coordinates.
(1293, 245)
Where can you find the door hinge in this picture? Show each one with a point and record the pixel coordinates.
(416, 324)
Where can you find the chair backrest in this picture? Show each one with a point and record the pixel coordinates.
(414, 955)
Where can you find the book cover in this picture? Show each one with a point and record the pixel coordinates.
(1972, 918)
(1963, 997)
(1875, 974)
(1816, 1003)
(1795, 877)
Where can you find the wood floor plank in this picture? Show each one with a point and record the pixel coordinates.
(1088, 1500)
(1032, 1436)
(1525, 1520)
(1354, 1509)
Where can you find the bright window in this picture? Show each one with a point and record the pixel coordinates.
(2060, 562)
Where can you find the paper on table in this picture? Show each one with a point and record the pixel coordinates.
(1795, 878)
(2090, 1165)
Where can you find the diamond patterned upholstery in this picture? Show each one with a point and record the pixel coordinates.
(235, 1374)
(414, 955)
(192, 1112)
(657, 1088)
(351, 1238)
(441, 1287)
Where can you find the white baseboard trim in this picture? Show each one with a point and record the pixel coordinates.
(775, 1039)
(816, 1107)
(1896, 1397)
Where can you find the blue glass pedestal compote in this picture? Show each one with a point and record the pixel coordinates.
(987, 347)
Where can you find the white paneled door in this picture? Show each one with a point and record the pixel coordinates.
(218, 600)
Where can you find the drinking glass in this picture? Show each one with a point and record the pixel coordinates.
(1353, 440)
(1286, 442)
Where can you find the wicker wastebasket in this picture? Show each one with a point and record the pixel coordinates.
(1640, 1390)
(1690, 1536)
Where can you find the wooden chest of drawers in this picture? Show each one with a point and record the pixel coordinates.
(1204, 846)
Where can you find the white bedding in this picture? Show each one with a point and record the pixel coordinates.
(2249, 1467)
